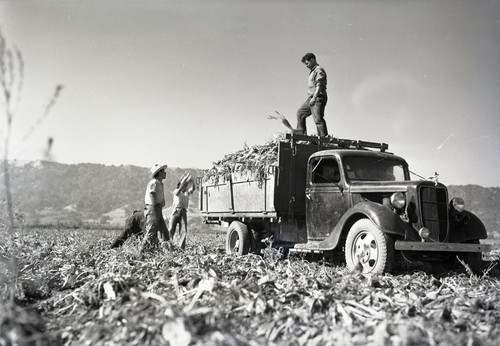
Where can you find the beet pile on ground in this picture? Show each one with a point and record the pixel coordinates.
(72, 289)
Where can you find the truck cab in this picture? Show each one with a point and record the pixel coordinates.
(332, 173)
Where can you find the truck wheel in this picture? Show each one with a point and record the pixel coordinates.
(451, 263)
(444, 265)
(255, 245)
(368, 249)
(474, 260)
(238, 239)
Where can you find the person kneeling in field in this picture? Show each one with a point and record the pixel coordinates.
(185, 187)
(150, 222)
(134, 225)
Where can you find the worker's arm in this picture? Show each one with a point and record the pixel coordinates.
(315, 96)
(183, 183)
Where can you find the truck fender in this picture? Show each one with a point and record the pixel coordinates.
(386, 220)
(466, 226)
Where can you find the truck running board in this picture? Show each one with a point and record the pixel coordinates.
(309, 247)
(294, 250)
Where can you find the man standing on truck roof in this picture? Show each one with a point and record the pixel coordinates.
(155, 201)
(185, 187)
(316, 100)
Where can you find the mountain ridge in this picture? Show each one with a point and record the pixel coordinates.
(90, 193)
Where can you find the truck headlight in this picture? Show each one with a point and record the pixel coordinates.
(398, 200)
(458, 204)
(424, 233)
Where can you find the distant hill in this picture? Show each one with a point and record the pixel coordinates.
(83, 194)
(77, 194)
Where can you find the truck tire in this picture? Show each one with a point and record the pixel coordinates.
(367, 249)
(255, 244)
(473, 259)
(451, 263)
(238, 239)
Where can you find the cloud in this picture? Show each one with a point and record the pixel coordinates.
(463, 142)
(390, 84)
(385, 103)
(476, 139)
(440, 146)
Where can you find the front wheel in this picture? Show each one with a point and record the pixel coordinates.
(368, 249)
(473, 260)
(238, 239)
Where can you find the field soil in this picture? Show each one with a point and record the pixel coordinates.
(67, 287)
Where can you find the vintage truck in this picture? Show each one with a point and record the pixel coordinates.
(329, 194)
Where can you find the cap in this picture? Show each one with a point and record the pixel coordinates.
(156, 168)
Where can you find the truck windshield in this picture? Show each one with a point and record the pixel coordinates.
(374, 169)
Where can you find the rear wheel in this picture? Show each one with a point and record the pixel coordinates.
(368, 249)
(255, 244)
(238, 239)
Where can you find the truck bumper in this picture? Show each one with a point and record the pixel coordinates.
(449, 247)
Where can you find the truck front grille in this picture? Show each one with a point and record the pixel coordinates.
(434, 211)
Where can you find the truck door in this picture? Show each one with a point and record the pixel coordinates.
(326, 197)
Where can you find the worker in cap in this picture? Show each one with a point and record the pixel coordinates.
(154, 199)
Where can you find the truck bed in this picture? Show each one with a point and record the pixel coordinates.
(239, 194)
(243, 194)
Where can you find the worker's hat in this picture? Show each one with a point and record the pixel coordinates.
(156, 168)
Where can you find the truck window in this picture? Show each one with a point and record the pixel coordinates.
(325, 171)
(374, 169)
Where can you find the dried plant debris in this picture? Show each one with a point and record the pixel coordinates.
(71, 289)
(258, 161)
(255, 162)
(284, 120)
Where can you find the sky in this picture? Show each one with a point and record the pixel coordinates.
(187, 82)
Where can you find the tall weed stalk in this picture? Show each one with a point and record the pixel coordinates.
(11, 84)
